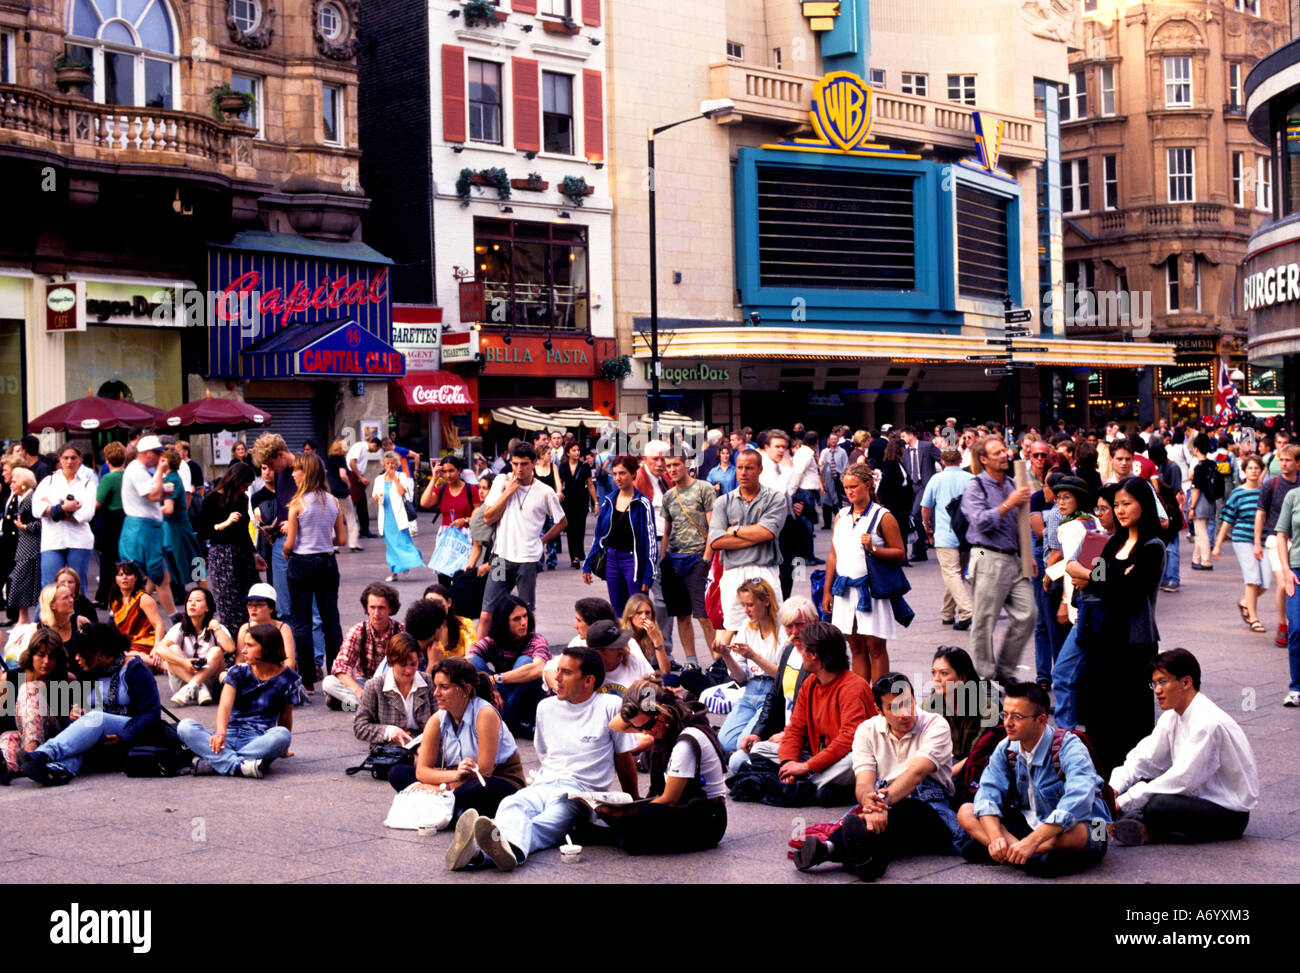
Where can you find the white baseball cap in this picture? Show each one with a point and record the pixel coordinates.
(262, 592)
(148, 443)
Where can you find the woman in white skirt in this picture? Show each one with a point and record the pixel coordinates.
(861, 527)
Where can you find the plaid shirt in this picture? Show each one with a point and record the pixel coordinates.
(363, 650)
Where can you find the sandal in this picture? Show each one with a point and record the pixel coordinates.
(1256, 625)
(1245, 612)
(391, 578)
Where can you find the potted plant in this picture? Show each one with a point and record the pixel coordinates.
(497, 178)
(534, 183)
(71, 73)
(481, 13)
(463, 183)
(228, 102)
(574, 188)
(612, 369)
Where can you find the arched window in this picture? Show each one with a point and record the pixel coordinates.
(132, 47)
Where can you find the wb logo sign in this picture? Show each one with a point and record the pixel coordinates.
(842, 110)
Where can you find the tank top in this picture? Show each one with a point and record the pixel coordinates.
(316, 524)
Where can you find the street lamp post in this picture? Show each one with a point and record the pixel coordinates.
(713, 108)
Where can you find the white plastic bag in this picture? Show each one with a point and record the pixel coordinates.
(414, 809)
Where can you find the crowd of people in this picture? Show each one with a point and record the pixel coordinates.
(231, 591)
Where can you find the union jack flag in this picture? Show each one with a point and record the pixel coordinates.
(1225, 396)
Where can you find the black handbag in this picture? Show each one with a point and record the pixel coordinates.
(598, 563)
(382, 759)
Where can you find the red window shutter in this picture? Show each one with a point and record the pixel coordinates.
(593, 113)
(524, 6)
(453, 93)
(528, 105)
(591, 13)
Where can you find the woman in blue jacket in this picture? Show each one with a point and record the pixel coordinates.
(625, 531)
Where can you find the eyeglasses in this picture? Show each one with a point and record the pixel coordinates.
(645, 727)
(1015, 717)
(1161, 683)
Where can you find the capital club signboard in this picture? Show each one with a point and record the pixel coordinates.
(275, 314)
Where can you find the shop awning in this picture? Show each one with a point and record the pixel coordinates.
(855, 345)
(525, 417)
(434, 391)
(573, 418)
(333, 349)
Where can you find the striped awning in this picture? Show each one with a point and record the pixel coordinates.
(526, 417)
(673, 422)
(573, 418)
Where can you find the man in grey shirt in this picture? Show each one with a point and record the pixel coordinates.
(990, 505)
(744, 527)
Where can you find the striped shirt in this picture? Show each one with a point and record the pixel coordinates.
(1239, 511)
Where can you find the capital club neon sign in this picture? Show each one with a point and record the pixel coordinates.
(329, 294)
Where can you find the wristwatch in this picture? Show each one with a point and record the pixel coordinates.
(500, 678)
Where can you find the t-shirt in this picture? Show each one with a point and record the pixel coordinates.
(617, 680)
(361, 453)
(505, 657)
(769, 649)
(686, 514)
(137, 482)
(1239, 511)
(1287, 524)
(519, 531)
(1271, 495)
(258, 704)
(682, 763)
(576, 745)
(939, 492)
(189, 645)
(877, 750)
(110, 491)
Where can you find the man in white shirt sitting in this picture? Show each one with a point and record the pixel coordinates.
(1193, 779)
(579, 754)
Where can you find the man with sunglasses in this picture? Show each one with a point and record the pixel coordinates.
(1039, 805)
(902, 761)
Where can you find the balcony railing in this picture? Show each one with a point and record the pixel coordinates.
(555, 307)
(1184, 214)
(74, 126)
(764, 94)
(1113, 221)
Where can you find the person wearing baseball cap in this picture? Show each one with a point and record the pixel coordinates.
(261, 611)
(622, 668)
(142, 534)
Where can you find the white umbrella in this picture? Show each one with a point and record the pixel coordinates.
(572, 418)
(526, 417)
(673, 421)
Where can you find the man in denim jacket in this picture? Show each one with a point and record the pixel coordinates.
(1046, 821)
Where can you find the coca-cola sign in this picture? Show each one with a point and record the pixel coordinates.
(435, 395)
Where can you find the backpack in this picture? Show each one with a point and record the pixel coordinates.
(166, 757)
(1058, 739)
(957, 520)
(1214, 491)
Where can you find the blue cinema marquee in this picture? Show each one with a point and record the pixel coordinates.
(839, 231)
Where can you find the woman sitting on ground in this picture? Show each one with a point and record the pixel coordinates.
(44, 662)
(639, 619)
(261, 611)
(466, 745)
(80, 603)
(193, 650)
(514, 654)
(687, 808)
(55, 611)
(394, 706)
(455, 638)
(968, 704)
(136, 614)
(255, 716)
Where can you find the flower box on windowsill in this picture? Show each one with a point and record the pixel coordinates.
(529, 185)
(560, 27)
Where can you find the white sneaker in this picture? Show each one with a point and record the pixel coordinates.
(463, 846)
(349, 705)
(253, 769)
(1292, 699)
(490, 841)
(204, 696)
(184, 696)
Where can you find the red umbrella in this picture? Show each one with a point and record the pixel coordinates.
(94, 412)
(212, 415)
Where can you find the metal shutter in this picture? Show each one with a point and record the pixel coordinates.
(296, 420)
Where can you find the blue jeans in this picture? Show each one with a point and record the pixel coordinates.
(280, 581)
(1293, 634)
(1065, 677)
(1170, 575)
(538, 817)
(242, 743)
(1046, 644)
(740, 721)
(518, 699)
(620, 578)
(77, 558)
(68, 747)
(317, 635)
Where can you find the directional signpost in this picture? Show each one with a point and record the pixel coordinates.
(1019, 315)
(1005, 365)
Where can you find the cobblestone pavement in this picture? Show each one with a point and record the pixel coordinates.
(309, 822)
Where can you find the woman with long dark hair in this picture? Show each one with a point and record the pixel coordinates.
(1114, 698)
(136, 614)
(969, 705)
(894, 492)
(223, 525)
(514, 655)
(687, 806)
(579, 497)
(315, 525)
(465, 745)
(43, 662)
(194, 650)
(625, 531)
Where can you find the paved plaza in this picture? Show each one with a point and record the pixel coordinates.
(310, 822)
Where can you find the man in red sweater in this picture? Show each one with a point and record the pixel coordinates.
(817, 741)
